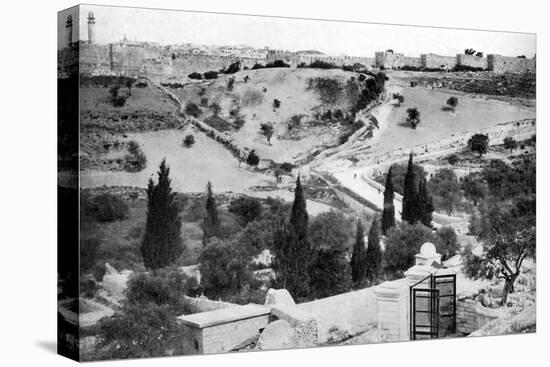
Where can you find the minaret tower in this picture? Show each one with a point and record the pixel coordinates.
(69, 30)
(91, 28)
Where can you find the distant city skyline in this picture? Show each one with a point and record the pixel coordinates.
(169, 27)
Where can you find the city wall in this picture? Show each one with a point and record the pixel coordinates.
(433, 61)
(501, 64)
(142, 59)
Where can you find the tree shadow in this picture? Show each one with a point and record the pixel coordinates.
(447, 108)
(48, 345)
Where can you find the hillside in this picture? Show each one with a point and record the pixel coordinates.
(302, 120)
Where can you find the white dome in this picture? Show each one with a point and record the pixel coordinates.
(428, 250)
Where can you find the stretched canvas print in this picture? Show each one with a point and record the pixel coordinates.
(233, 183)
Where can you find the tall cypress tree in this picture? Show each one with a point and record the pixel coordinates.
(293, 253)
(211, 223)
(161, 244)
(299, 217)
(374, 253)
(359, 255)
(388, 214)
(425, 204)
(410, 210)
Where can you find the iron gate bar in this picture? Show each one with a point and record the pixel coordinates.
(438, 306)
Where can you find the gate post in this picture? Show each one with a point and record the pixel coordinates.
(393, 310)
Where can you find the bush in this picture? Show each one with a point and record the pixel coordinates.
(192, 109)
(233, 68)
(287, 167)
(215, 108)
(247, 208)
(276, 103)
(447, 242)
(403, 242)
(277, 64)
(204, 102)
(117, 99)
(224, 268)
(189, 141)
(319, 64)
(329, 90)
(136, 160)
(253, 159)
(108, 208)
(195, 75)
(230, 84)
(162, 287)
(453, 159)
(210, 75)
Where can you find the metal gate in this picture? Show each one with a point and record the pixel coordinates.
(433, 307)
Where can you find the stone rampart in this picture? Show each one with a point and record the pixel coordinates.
(472, 61)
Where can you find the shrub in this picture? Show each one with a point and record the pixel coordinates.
(329, 90)
(403, 242)
(210, 75)
(453, 159)
(117, 99)
(276, 103)
(253, 159)
(319, 64)
(277, 64)
(166, 286)
(447, 242)
(224, 268)
(189, 141)
(230, 84)
(136, 160)
(204, 102)
(233, 68)
(192, 109)
(195, 75)
(215, 108)
(108, 208)
(247, 208)
(287, 167)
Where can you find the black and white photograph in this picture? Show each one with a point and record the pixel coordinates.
(238, 183)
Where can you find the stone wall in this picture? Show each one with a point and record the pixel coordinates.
(433, 61)
(471, 315)
(472, 61)
(502, 64)
(151, 60)
(352, 312)
(391, 60)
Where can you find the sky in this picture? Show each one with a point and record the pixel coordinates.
(330, 37)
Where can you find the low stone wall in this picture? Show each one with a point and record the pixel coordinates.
(352, 312)
(471, 315)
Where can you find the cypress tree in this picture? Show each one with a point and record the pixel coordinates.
(299, 217)
(425, 204)
(410, 210)
(293, 253)
(388, 214)
(374, 253)
(290, 264)
(359, 256)
(161, 244)
(211, 224)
